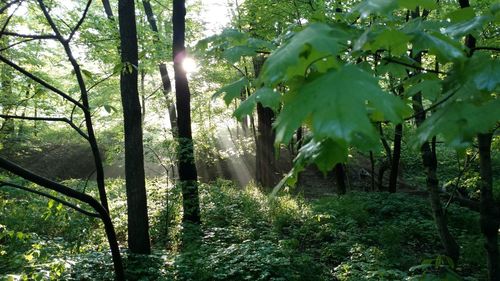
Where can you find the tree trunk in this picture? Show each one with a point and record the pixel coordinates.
(138, 226)
(265, 160)
(488, 209)
(165, 78)
(396, 156)
(187, 169)
(429, 159)
(340, 178)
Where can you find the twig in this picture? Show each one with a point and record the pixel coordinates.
(433, 106)
(391, 60)
(17, 43)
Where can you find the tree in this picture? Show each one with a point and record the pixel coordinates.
(165, 79)
(64, 37)
(138, 226)
(187, 170)
(489, 210)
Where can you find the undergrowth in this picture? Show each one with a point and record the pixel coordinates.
(245, 235)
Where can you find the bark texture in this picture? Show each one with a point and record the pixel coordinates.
(187, 170)
(138, 226)
(265, 162)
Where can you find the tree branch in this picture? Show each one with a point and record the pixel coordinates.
(64, 190)
(7, 5)
(17, 43)
(391, 60)
(486, 48)
(44, 194)
(42, 82)
(450, 95)
(56, 119)
(29, 36)
(79, 23)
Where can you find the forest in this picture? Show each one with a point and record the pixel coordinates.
(250, 140)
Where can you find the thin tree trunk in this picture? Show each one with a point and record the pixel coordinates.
(372, 171)
(165, 79)
(429, 159)
(396, 156)
(138, 226)
(187, 169)
(488, 209)
(340, 177)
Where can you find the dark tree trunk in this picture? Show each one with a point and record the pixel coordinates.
(138, 226)
(488, 209)
(340, 177)
(396, 156)
(265, 160)
(165, 78)
(187, 169)
(386, 163)
(108, 10)
(64, 190)
(372, 171)
(429, 159)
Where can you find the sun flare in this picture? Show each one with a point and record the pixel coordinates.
(189, 65)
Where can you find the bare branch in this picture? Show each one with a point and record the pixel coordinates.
(55, 119)
(44, 194)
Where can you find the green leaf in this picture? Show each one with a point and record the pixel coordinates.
(460, 15)
(412, 4)
(467, 27)
(232, 90)
(459, 122)
(325, 154)
(381, 7)
(430, 89)
(246, 108)
(87, 74)
(393, 40)
(109, 108)
(444, 48)
(234, 54)
(334, 105)
(315, 42)
(484, 72)
(268, 98)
